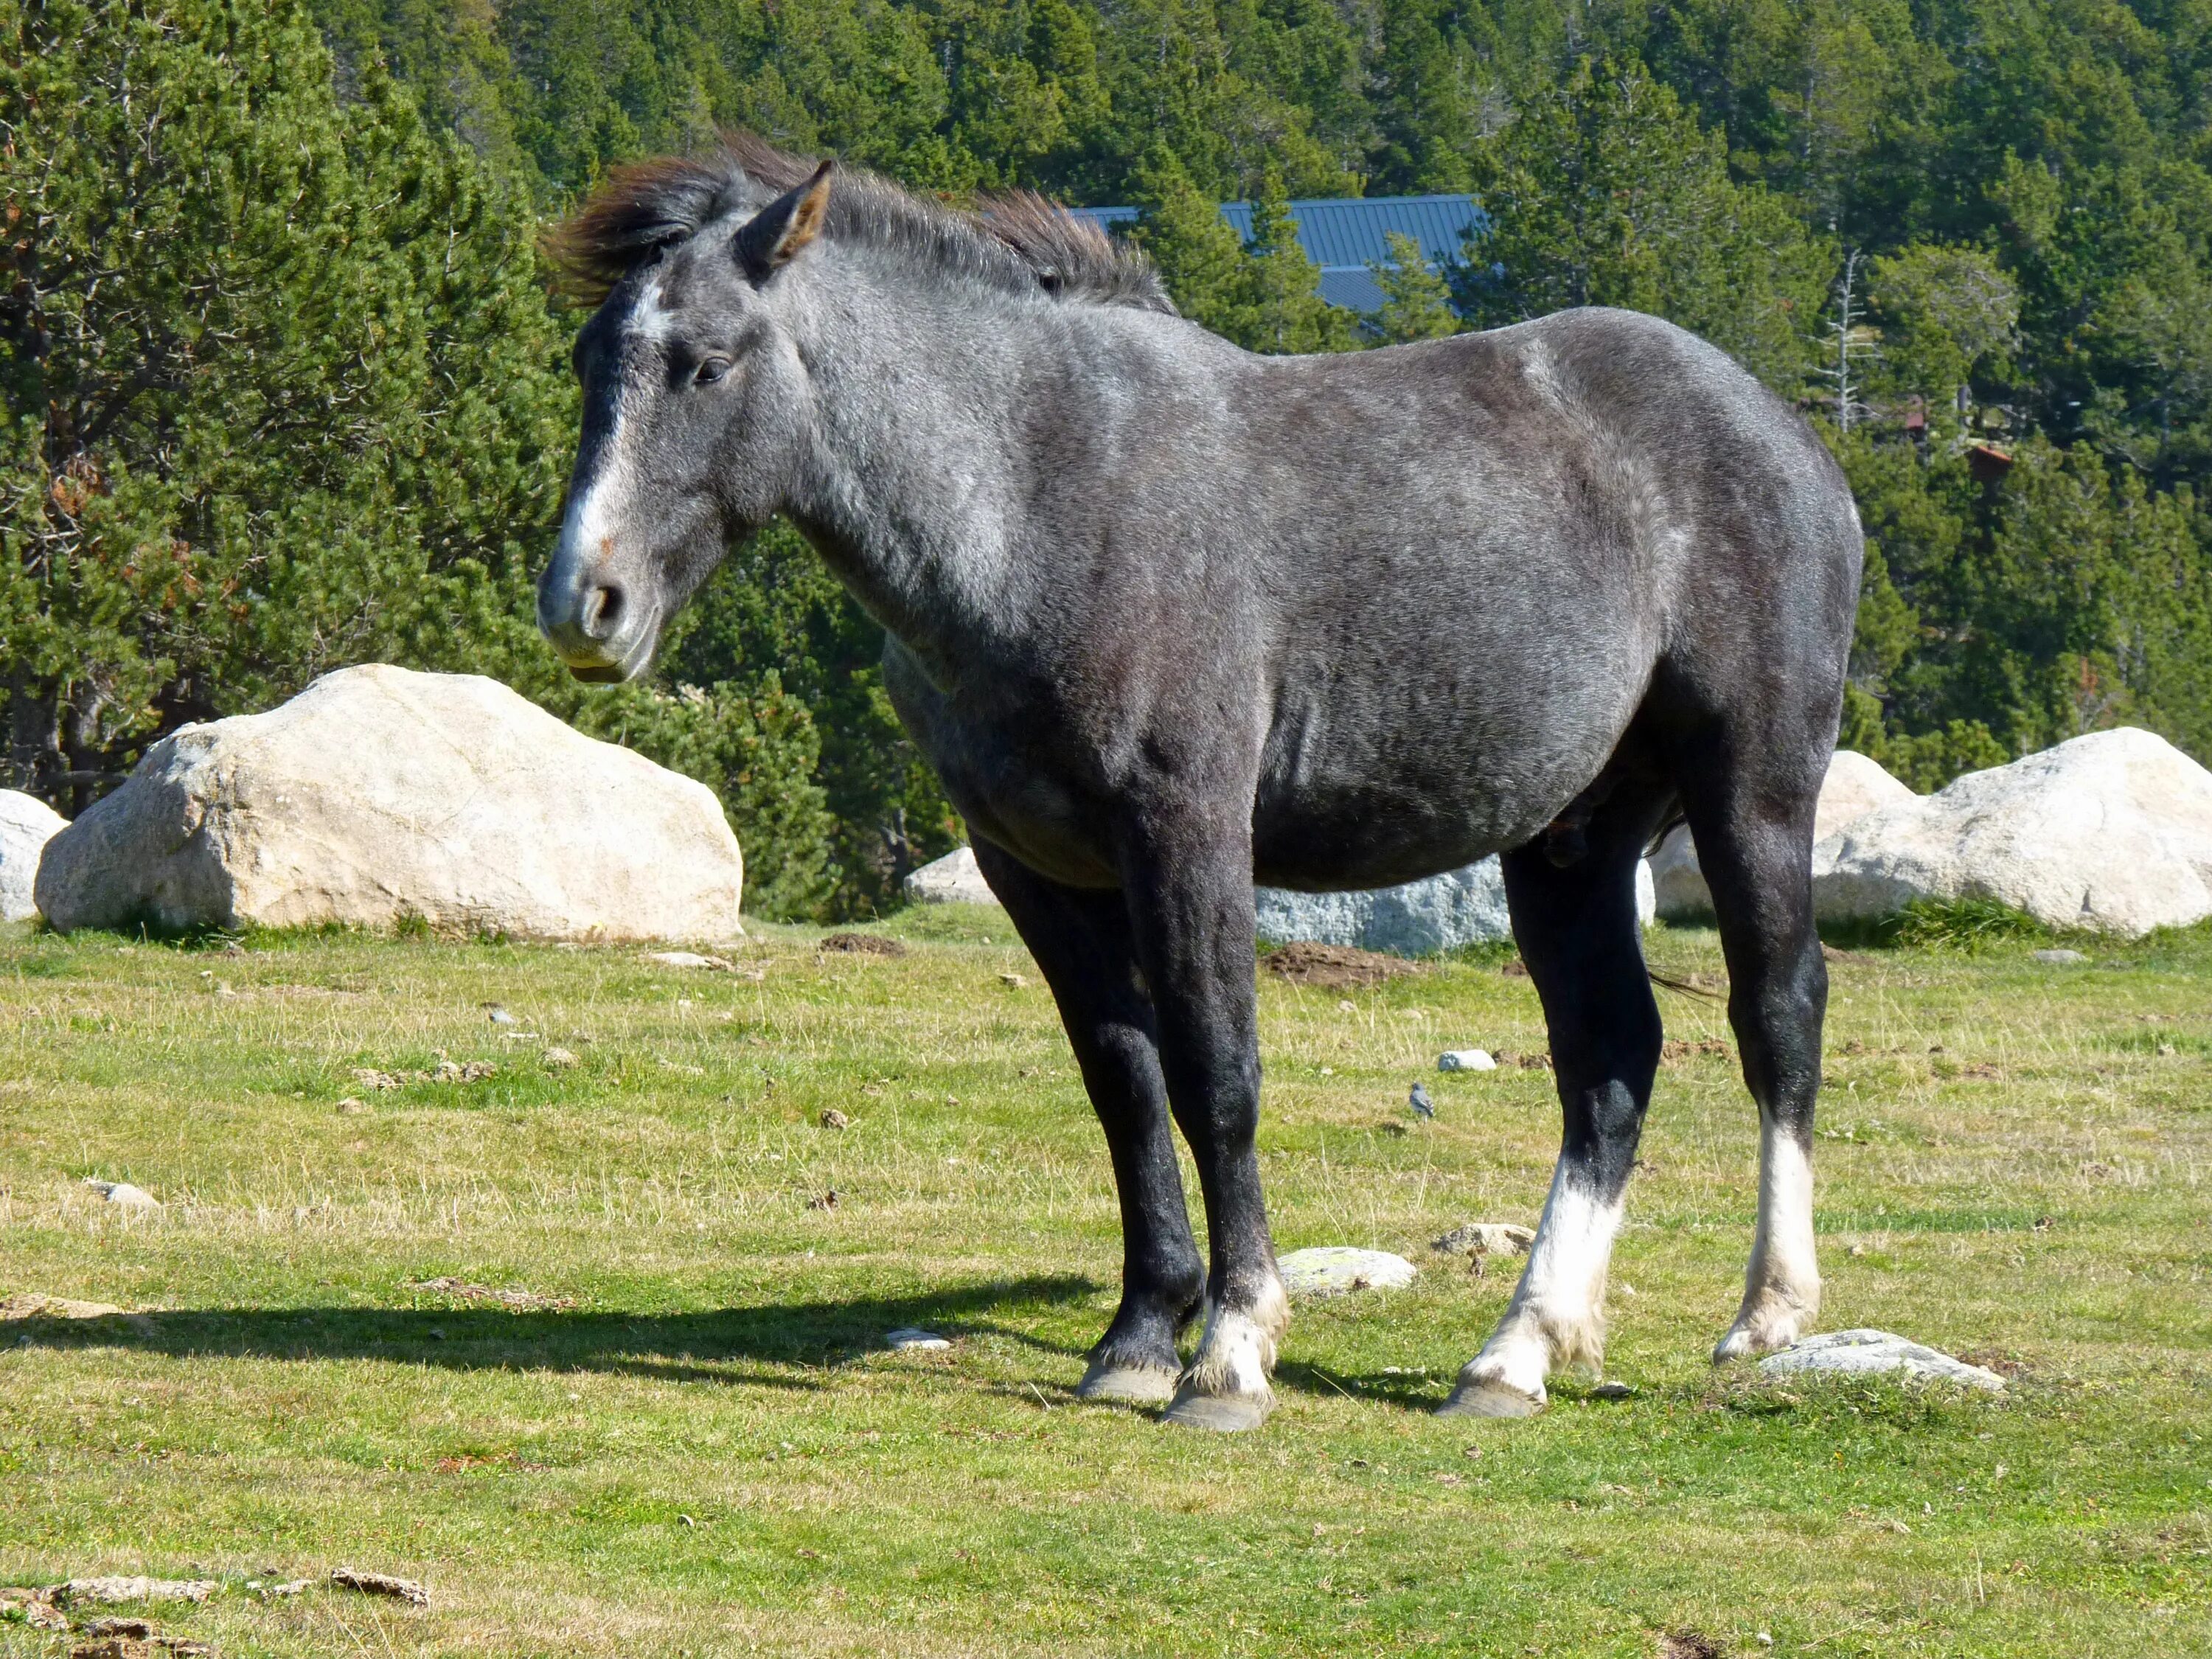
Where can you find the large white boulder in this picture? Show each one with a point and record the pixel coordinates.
(2111, 831)
(1461, 906)
(26, 824)
(953, 879)
(1854, 787)
(378, 795)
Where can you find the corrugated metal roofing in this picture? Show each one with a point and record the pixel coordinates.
(1345, 235)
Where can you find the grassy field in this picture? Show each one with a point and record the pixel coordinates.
(686, 1437)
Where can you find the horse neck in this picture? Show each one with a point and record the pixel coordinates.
(918, 484)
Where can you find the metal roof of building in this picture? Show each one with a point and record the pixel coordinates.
(1345, 235)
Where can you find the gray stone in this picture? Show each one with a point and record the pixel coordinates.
(378, 795)
(1875, 1353)
(953, 879)
(2061, 957)
(124, 1196)
(26, 824)
(1466, 1060)
(1855, 785)
(1338, 1269)
(1420, 919)
(1491, 1238)
(2110, 832)
(913, 1336)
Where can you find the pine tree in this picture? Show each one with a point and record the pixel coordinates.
(1416, 299)
(1287, 311)
(1606, 192)
(1200, 258)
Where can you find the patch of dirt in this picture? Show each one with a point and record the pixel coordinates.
(1858, 958)
(862, 945)
(1334, 967)
(99, 1591)
(1679, 1049)
(449, 1071)
(1996, 1359)
(1506, 1058)
(461, 1290)
(828, 1201)
(146, 1647)
(378, 1584)
(34, 1304)
(1687, 1644)
(1514, 968)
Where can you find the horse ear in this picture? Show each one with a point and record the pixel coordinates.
(772, 237)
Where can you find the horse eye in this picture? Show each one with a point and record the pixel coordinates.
(713, 369)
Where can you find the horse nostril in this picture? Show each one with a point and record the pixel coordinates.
(602, 610)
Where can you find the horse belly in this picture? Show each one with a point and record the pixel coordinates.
(1345, 804)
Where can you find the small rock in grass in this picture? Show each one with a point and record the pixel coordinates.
(834, 1119)
(2060, 956)
(1870, 1353)
(1490, 1237)
(352, 1107)
(1613, 1391)
(378, 1584)
(1339, 1269)
(497, 1015)
(913, 1336)
(686, 959)
(1466, 1060)
(559, 1060)
(122, 1194)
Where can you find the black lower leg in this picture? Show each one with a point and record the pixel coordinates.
(1081, 941)
(1190, 897)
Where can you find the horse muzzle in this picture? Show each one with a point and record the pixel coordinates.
(596, 625)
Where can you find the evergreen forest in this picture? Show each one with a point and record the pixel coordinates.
(284, 382)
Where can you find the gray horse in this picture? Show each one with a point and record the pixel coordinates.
(1168, 617)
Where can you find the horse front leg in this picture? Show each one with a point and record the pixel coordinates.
(1083, 945)
(1189, 889)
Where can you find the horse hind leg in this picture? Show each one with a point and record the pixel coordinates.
(1578, 933)
(1754, 839)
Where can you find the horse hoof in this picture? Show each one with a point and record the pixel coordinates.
(1225, 1413)
(1490, 1399)
(1749, 1341)
(1136, 1385)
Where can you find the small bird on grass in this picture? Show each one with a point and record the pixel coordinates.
(1419, 1100)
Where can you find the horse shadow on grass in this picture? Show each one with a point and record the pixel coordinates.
(792, 1345)
(773, 1345)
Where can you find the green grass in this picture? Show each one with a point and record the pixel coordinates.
(704, 1449)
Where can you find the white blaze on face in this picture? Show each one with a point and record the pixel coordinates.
(588, 531)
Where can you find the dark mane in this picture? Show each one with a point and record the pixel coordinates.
(1020, 241)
